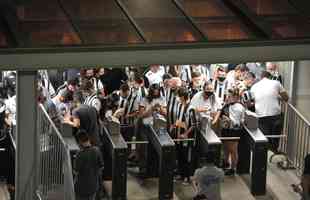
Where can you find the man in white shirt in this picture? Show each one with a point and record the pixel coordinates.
(155, 74)
(206, 104)
(267, 95)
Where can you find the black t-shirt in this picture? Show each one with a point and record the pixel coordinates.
(88, 121)
(112, 79)
(87, 165)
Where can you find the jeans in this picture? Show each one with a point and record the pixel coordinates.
(271, 125)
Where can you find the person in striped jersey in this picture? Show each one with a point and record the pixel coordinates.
(184, 130)
(93, 100)
(204, 70)
(220, 84)
(164, 86)
(196, 84)
(172, 102)
(246, 96)
(138, 88)
(127, 110)
(186, 74)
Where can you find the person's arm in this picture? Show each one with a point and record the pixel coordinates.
(284, 96)
(99, 160)
(145, 112)
(74, 123)
(216, 117)
(282, 93)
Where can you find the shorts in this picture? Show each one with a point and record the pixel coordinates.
(231, 132)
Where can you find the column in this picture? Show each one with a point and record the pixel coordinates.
(27, 140)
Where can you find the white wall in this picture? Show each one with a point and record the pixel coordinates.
(303, 88)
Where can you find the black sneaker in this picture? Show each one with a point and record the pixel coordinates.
(230, 172)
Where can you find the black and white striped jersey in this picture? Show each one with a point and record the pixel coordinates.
(246, 97)
(60, 88)
(94, 101)
(140, 92)
(97, 84)
(220, 90)
(172, 105)
(183, 115)
(130, 105)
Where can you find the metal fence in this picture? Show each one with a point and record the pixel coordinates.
(296, 144)
(55, 178)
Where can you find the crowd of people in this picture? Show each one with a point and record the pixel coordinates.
(222, 94)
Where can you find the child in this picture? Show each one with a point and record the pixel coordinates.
(88, 165)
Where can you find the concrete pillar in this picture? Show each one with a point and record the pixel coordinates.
(27, 140)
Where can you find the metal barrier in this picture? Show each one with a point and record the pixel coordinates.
(55, 176)
(115, 160)
(296, 144)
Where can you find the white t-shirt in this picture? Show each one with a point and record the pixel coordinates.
(236, 114)
(157, 77)
(266, 97)
(199, 101)
(11, 108)
(148, 105)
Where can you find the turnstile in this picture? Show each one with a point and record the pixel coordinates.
(253, 141)
(115, 161)
(161, 159)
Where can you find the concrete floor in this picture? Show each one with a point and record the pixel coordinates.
(233, 188)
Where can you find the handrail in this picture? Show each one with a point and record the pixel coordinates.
(299, 114)
(295, 144)
(63, 174)
(53, 125)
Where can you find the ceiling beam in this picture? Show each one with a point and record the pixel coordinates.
(9, 18)
(190, 19)
(71, 20)
(132, 21)
(27, 59)
(258, 26)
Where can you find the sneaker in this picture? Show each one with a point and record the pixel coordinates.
(230, 172)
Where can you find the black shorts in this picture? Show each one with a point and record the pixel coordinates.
(231, 132)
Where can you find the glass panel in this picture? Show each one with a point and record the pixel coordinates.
(270, 7)
(161, 21)
(290, 27)
(101, 21)
(215, 20)
(44, 23)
